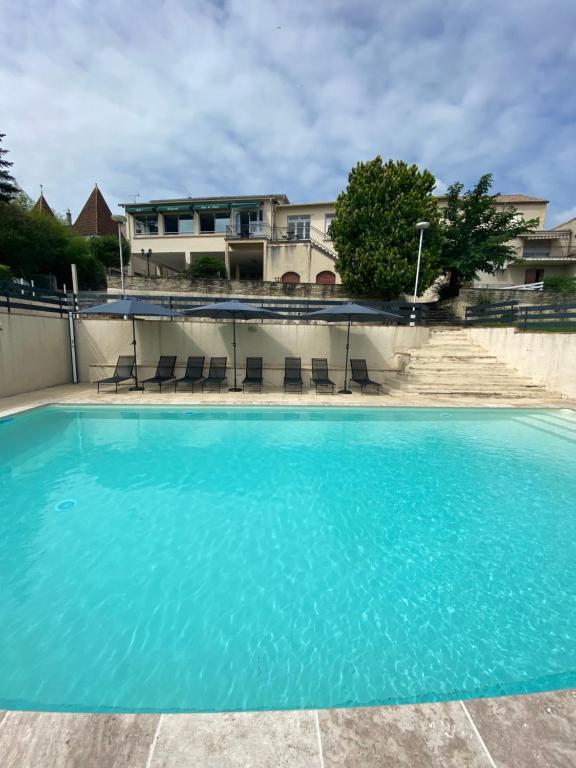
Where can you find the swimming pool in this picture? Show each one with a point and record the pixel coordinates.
(209, 559)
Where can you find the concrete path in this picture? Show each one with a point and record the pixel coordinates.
(537, 731)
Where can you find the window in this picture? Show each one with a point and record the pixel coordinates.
(179, 225)
(146, 225)
(328, 218)
(214, 222)
(325, 278)
(299, 227)
(249, 223)
(291, 277)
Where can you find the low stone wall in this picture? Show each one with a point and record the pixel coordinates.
(248, 288)
(548, 358)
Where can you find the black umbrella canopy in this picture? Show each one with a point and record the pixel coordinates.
(130, 308)
(230, 310)
(233, 310)
(350, 312)
(357, 313)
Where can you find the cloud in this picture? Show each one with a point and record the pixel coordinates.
(191, 97)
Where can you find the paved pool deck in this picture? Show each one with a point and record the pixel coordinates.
(533, 731)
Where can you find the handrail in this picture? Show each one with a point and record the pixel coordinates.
(303, 233)
(524, 287)
(255, 230)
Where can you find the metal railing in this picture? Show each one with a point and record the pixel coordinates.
(297, 233)
(15, 296)
(524, 287)
(561, 316)
(256, 230)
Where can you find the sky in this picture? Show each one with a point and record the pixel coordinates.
(177, 98)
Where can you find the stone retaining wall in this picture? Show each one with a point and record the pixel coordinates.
(471, 297)
(173, 285)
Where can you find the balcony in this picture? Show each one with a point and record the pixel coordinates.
(548, 246)
(255, 230)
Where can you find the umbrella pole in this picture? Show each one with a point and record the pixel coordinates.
(346, 391)
(136, 387)
(235, 388)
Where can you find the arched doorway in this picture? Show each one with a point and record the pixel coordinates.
(325, 278)
(291, 277)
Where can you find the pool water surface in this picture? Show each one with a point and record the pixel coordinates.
(176, 559)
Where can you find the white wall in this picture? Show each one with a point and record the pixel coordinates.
(548, 358)
(99, 342)
(34, 353)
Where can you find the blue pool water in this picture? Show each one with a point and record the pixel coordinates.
(219, 559)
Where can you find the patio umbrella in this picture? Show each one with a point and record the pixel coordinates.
(351, 312)
(230, 310)
(130, 308)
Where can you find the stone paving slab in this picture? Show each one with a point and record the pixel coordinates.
(237, 740)
(63, 740)
(537, 731)
(419, 736)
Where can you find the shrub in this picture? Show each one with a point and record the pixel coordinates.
(5, 273)
(560, 284)
(205, 267)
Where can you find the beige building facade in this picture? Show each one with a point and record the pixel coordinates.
(256, 238)
(266, 237)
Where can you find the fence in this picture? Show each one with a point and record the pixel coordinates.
(14, 296)
(524, 316)
(23, 297)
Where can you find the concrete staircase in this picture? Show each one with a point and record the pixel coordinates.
(451, 364)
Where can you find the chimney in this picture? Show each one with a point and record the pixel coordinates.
(68, 218)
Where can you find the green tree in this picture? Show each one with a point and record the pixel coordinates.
(105, 249)
(33, 244)
(477, 234)
(8, 186)
(205, 267)
(374, 228)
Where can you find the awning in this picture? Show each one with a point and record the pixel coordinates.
(251, 204)
(140, 209)
(552, 234)
(175, 208)
(212, 206)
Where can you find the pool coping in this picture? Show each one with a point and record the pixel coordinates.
(536, 729)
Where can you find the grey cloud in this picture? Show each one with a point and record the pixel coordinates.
(176, 97)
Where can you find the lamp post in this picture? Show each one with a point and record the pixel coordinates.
(120, 220)
(421, 225)
(147, 254)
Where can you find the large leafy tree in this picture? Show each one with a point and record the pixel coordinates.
(477, 233)
(374, 228)
(105, 249)
(8, 186)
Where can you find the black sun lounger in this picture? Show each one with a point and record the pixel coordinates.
(216, 373)
(253, 376)
(194, 373)
(164, 371)
(124, 371)
(360, 375)
(293, 373)
(320, 375)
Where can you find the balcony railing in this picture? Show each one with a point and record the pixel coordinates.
(554, 252)
(256, 230)
(295, 233)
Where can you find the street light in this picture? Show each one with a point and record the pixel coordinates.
(147, 255)
(119, 219)
(421, 225)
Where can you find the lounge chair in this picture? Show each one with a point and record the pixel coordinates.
(360, 376)
(216, 373)
(164, 371)
(194, 373)
(124, 371)
(253, 376)
(293, 373)
(320, 375)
